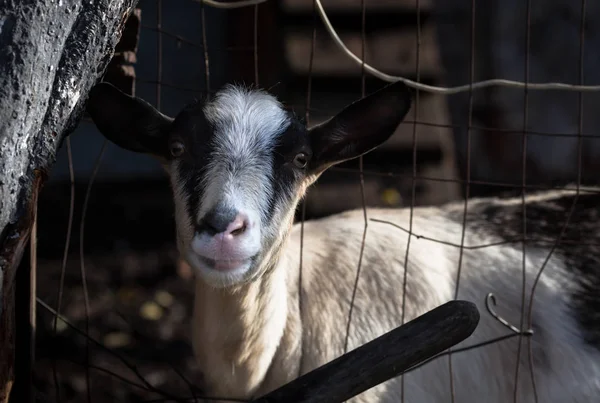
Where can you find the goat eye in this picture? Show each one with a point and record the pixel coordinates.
(177, 148)
(301, 160)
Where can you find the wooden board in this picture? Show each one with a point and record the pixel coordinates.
(432, 127)
(391, 51)
(445, 189)
(324, 198)
(355, 5)
(327, 198)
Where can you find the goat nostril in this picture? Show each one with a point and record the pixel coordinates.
(239, 231)
(228, 223)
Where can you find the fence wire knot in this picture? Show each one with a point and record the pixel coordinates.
(490, 300)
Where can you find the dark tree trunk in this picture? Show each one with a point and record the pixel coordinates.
(51, 54)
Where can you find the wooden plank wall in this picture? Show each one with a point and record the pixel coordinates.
(500, 50)
(391, 46)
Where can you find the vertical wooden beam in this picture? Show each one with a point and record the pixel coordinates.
(120, 71)
(17, 339)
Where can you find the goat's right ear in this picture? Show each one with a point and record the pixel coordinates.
(129, 122)
(360, 127)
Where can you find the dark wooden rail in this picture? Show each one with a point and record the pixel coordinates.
(383, 358)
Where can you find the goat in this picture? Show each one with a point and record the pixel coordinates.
(239, 164)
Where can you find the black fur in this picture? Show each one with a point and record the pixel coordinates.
(285, 175)
(545, 221)
(195, 131)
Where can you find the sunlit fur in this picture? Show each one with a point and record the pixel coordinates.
(248, 339)
(250, 335)
(247, 125)
(252, 340)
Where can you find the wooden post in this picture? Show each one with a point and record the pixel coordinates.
(383, 358)
(120, 71)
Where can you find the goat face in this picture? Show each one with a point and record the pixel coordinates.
(239, 164)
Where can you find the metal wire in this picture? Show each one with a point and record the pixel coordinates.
(63, 268)
(158, 52)
(186, 41)
(146, 384)
(467, 185)
(445, 90)
(256, 79)
(413, 182)
(575, 199)
(318, 10)
(205, 47)
(313, 41)
(416, 85)
(362, 190)
(84, 284)
(523, 193)
(231, 5)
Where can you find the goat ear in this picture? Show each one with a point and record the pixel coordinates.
(129, 122)
(360, 127)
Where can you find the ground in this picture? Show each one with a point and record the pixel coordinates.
(139, 305)
(140, 310)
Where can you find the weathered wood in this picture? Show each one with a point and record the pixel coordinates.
(325, 200)
(394, 52)
(383, 358)
(51, 54)
(120, 71)
(336, 5)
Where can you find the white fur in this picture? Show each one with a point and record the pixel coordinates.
(331, 251)
(238, 175)
(247, 123)
(279, 338)
(250, 335)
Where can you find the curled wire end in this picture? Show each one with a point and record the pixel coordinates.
(490, 300)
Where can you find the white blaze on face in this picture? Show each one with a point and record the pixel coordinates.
(239, 174)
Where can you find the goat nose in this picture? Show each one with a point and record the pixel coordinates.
(237, 226)
(220, 221)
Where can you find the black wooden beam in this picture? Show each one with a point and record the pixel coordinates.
(383, 358)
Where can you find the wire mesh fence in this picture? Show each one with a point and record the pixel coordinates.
(103, 371)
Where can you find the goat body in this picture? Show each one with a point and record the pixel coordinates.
(239, 164)
(268, 328)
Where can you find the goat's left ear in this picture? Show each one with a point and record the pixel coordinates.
(129, 122)
(360, 127)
